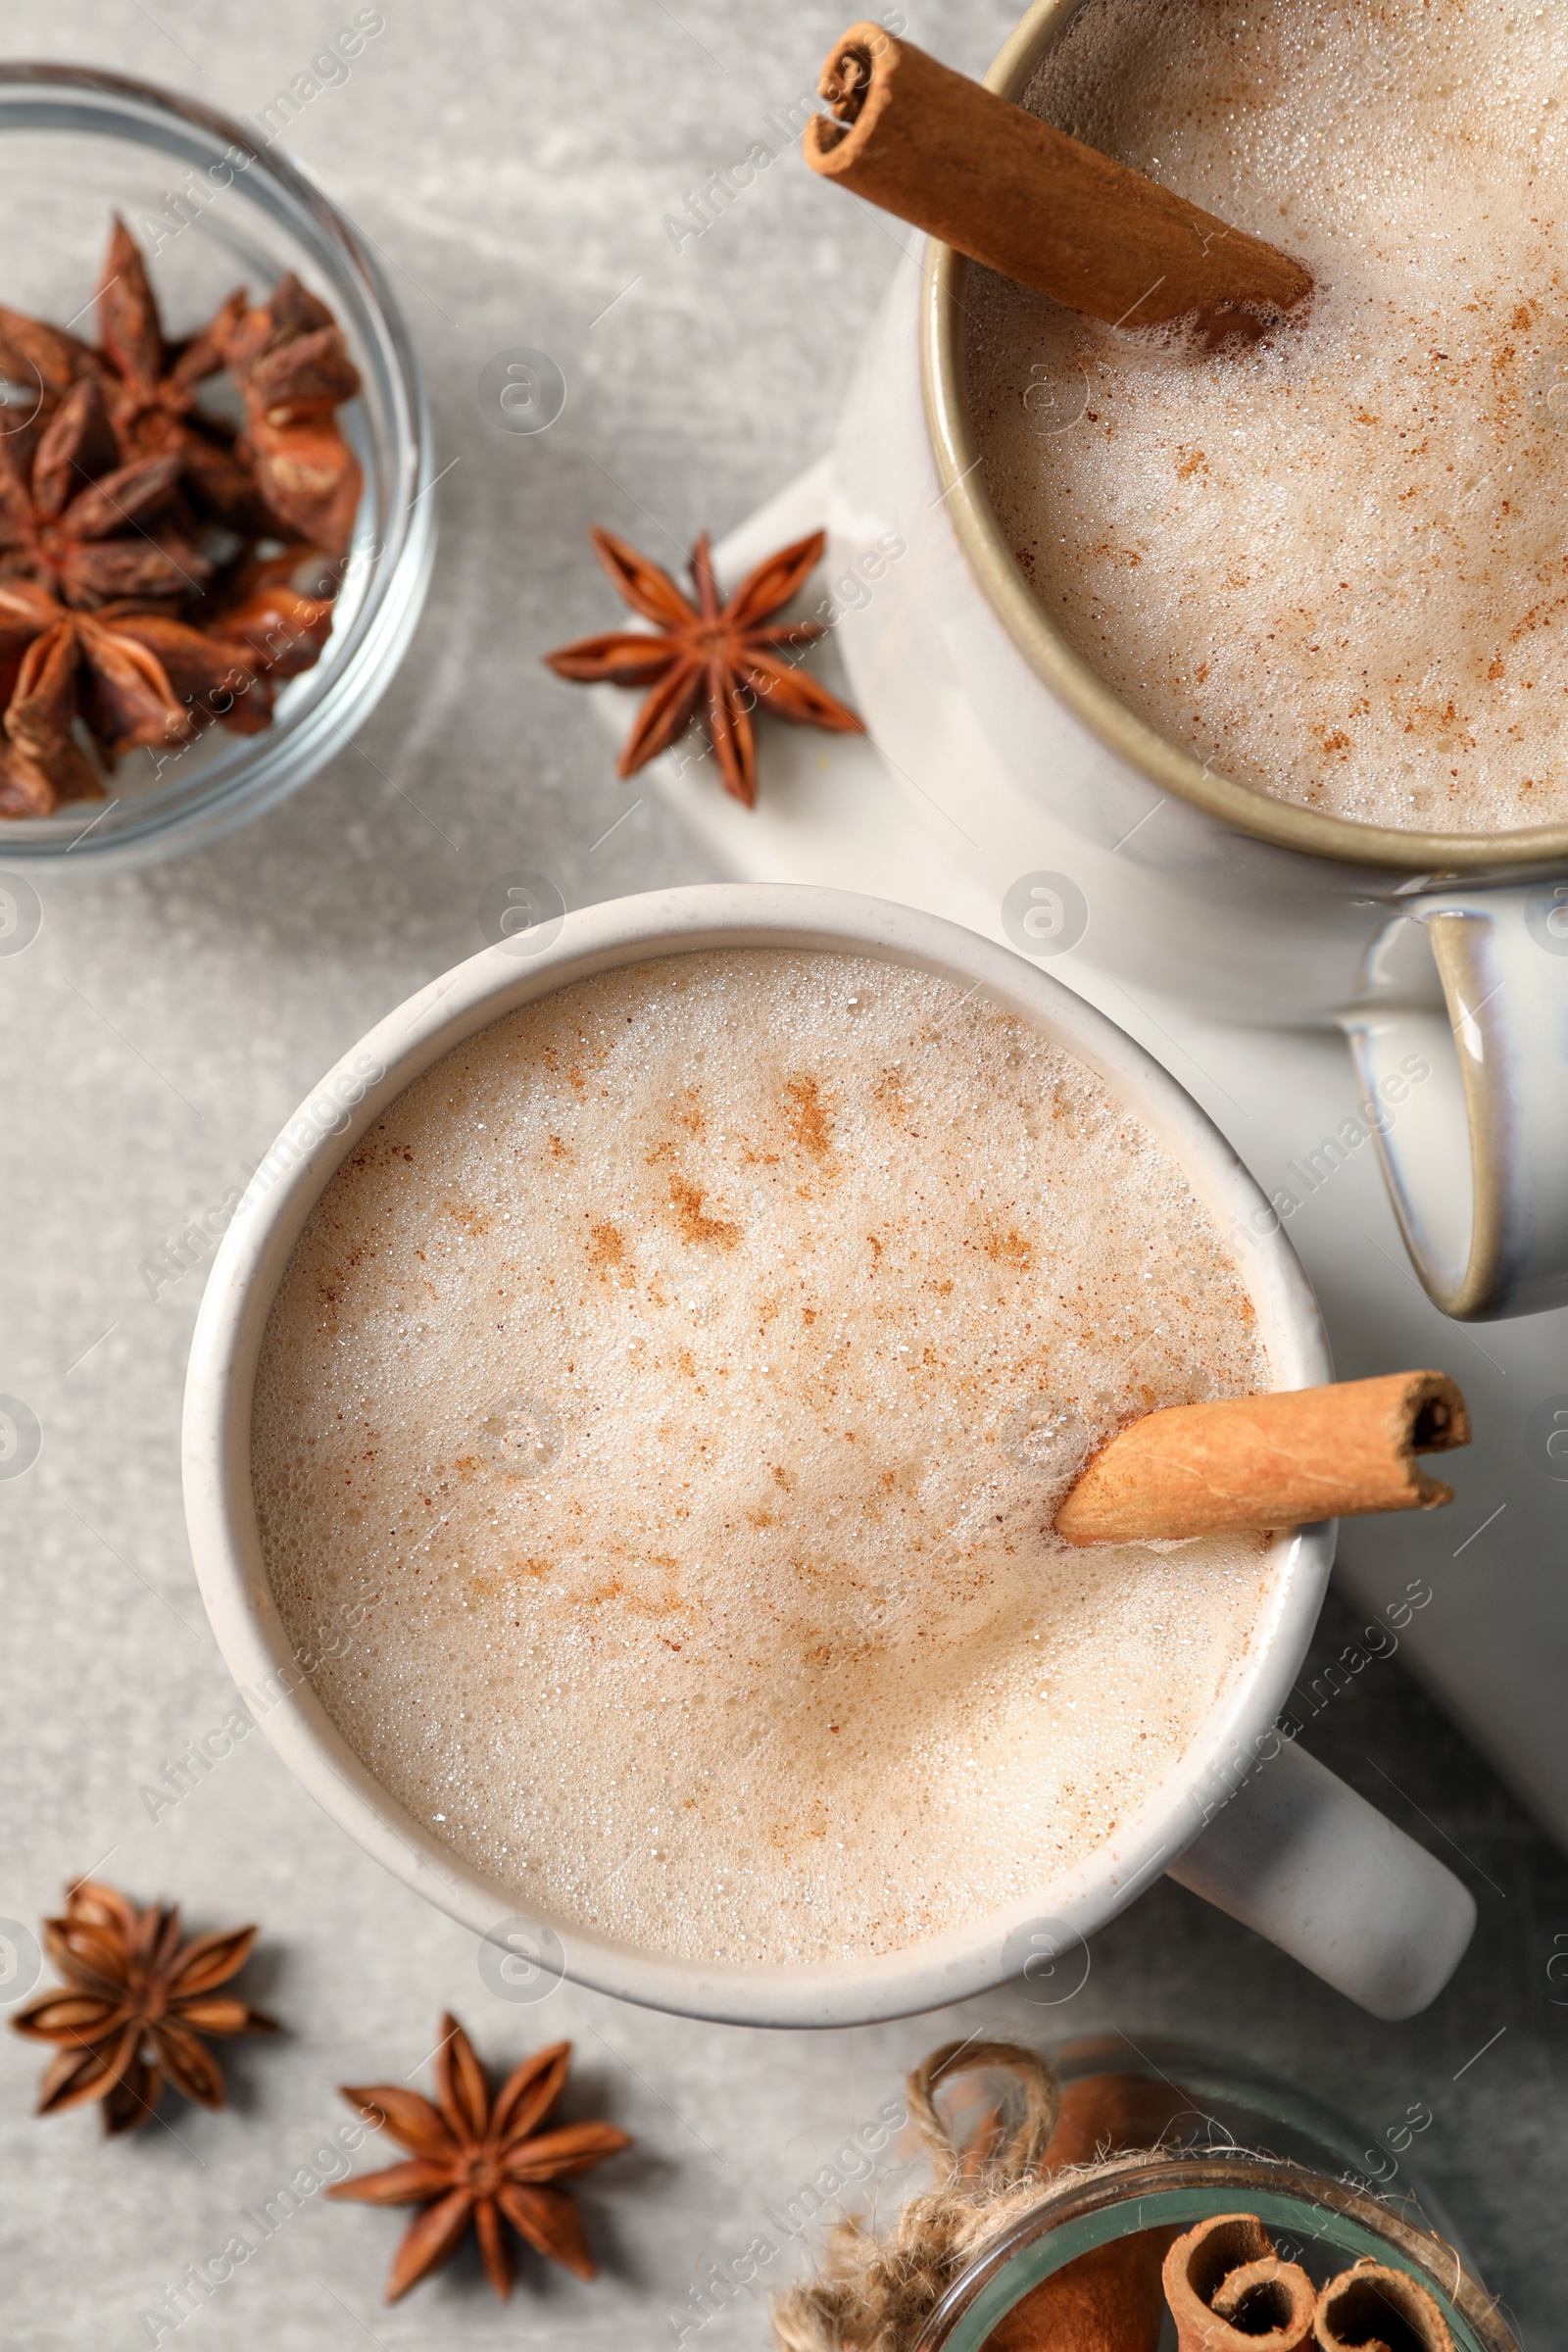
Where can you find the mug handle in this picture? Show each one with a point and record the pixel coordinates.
(1498, 1245)
(1311, 1866)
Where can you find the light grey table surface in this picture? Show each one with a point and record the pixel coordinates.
(515, 166)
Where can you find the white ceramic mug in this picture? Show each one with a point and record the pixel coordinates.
(1247, 1820)
(1194, 886)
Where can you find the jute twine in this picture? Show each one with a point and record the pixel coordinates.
(875, 2294)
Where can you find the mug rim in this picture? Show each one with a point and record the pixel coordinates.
(957, 457)
(250, 1264)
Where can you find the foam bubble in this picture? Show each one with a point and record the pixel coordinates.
(681, 1377)
(1334, 566)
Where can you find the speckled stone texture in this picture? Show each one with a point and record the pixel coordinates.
(515, 166)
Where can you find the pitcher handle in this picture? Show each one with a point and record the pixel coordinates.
(1498, 1244)
(1311, 1866)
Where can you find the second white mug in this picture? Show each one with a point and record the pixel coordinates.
(1449, 947)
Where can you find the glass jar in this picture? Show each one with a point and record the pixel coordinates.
(1245, 2145)
(214, 203)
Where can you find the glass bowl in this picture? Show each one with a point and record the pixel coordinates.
(212, 206)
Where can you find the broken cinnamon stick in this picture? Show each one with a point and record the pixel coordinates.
(1371, 2308)
(1261, 1462)
(946, 155)
(1229, 2291)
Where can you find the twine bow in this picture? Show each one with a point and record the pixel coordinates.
(875, 2294)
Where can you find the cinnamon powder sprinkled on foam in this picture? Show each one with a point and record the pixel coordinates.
(681, 1376)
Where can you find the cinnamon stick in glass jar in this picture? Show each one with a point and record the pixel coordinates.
(1110, 2300)
(1371, 2304)
(1229, 2291)
(946, 155)
(1283, 1459)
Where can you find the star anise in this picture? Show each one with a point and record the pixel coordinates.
(712, 656)
(135, 2009)
(81, 524)
(41, 359)
(136, 677)
(292, 365)
(473, 2162)
(125, 621)
(151, 384)
(279, 608)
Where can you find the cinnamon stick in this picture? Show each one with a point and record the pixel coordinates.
(1229, 2291)
(946, 155)
(1279, 1460)
(1371, 2308)
(1112, 2299)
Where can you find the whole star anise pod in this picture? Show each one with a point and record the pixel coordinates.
(473, 2162)
(43, 360)
(712, 656)
(292, 365)
(136, 677)
(135, 2009)
(150, 386)
(81, 524)
(279, 608)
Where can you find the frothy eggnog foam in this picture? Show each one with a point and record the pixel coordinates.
(1334, 566)
(681, 1379)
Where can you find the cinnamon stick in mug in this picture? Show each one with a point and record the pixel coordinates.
(1283, 1459)
(949, 157)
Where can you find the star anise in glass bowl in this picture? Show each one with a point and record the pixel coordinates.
(214, 432)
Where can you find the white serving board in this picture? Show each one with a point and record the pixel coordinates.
(1491, 1640)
